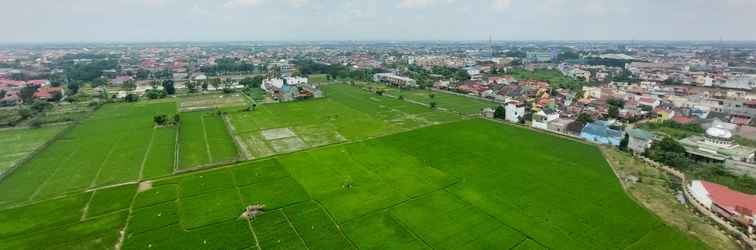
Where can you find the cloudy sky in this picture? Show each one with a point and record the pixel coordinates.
(264, 20)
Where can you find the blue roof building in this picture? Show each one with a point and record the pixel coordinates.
(600, 132)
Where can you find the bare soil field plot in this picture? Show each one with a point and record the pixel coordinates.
(279, 133)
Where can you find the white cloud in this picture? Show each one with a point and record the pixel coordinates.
(502, 4)
(242, 3)
(414, 4)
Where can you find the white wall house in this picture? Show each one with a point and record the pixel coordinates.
(542, 118)
(514, 111)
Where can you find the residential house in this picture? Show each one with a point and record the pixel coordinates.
(515, 110)
(640, 140)
(120, 80)
(735, 206)
(560, 125)
(542, 118)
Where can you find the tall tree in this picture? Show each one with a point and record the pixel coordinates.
(500, 113)
(169, 87)
(27, 93)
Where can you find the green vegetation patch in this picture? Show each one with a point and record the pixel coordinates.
(19, 143)
(203, 139)
(233, 234)
(209, 208)
(107, 148)
(380, 230)
(110, 200)
(274, 231)
(151, 218)
(446, 222)
(315, 227)
(161, 158)
(43, 215)
(258, 172)
(98, 233)
(274, 194)
(156, 195)
(205, 182)
(347, 114)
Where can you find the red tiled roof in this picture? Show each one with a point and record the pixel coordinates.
(682, 119)
(729, 199)
(647, 100)
(38, 82)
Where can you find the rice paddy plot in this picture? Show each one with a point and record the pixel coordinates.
(347, 114)
(211, 101)
(471, 184)
(19, 143)
(459, 103)
(109, 200)
(203, 139)
(107, 148)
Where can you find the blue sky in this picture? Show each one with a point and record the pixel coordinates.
(222, 20)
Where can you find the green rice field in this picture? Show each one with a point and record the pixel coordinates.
(112, 146)
(347, 114)
(203, 140)
(455, 103)
(19, 143)
(373, 173)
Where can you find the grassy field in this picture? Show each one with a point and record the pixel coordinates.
(211, 101)
(18, 143)
(459, 104)
(110, 147)
(203, 139)
(447, 184)
(654, 192)
(347, 114)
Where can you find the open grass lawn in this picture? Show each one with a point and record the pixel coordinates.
(18, 143)
(470, 184)
(112, 146)
(346, 114)
(203, 140)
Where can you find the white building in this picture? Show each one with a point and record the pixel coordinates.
(542, 118)
(514, 111)
(395, 80)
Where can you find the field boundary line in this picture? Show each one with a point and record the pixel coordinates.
(147, 153)
(294, 228)
(204, 133)
(85, 210)
(241, 149)
(122, 232)
(177, 148)
(102, 165)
